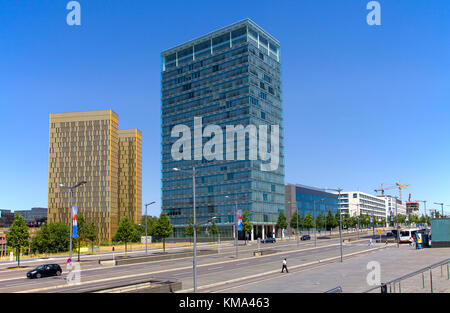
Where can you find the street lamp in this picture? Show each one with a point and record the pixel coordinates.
(146, 220)
(289, 202)
(235, 222)
(398, 228)
(339, 190)
(71, 188)
(442, 207)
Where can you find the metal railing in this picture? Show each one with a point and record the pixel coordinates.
(396, 284)
(338, 289)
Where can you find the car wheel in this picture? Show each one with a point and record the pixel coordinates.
(58, 273)
(38, 275)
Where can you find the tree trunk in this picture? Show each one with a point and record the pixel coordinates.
(164, 245)
(79, 250)
(18, 257)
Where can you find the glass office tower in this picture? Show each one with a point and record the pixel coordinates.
(228, 77)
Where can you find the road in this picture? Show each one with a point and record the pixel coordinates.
(212, 269)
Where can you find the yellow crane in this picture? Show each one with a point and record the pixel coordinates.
(397, 185)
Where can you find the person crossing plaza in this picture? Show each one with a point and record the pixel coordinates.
(284, 266)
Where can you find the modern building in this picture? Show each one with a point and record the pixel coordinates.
(412, 207)
(306, 199)
(6, 218)
(3, 247)
(130, 174)
(33, 215)
(85, 146)
(360, 203)
(394, 206)
(228, 77)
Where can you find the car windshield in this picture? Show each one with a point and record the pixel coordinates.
(40, 267)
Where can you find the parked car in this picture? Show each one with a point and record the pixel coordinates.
(305, 237)
(390, 234)
(45, 270)
(268, 240)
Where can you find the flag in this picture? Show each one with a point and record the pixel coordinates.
(74, 221)
(239, 219)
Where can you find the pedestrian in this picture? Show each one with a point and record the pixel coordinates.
(284, 266)
(370, 242)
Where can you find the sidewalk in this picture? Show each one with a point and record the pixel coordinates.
(352, 274)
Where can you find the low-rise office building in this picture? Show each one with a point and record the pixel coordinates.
(394, 206)
(33, 215)
(356, 203)
(306, 199)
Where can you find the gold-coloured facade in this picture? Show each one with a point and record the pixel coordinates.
(84, 146)
(130, 174)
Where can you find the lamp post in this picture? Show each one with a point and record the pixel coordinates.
(71, 188)
(235, 223)
(398, 230)
(146, 219)
(425, 206)
(339, 190)
(442, 207)
(194, 265)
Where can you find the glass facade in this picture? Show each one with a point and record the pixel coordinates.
(229, 77)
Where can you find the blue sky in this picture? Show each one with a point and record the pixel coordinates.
(363, 105)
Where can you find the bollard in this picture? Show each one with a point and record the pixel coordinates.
(431, 280)
(423, 281)
(383, 288)
(447, 272)
(399, 287)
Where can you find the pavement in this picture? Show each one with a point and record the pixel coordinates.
(352, 274)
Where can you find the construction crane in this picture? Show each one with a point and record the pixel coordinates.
(397, 185)
(383, 189)
(400, 186)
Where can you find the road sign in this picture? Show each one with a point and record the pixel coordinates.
(69, 260)
(379, 231)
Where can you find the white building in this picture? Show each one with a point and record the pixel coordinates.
(357, 203)
(393, 206)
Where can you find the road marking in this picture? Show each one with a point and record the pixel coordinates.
(274, 271)
(170, 270)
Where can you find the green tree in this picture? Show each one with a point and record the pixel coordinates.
(331, 220)
(320, 221)
(247, 227)
(189, 230)
(213, 230)
(293, 221)
(308, 221)
(281, 222)
(126, 232)
(163, 228)
(18, 236)
(151, 222)
(345, 220)
(82, 229)
(52, 238)
(91, 234)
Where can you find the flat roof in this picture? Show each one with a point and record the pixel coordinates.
(246, 21)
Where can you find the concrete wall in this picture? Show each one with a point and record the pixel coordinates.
(440, 232)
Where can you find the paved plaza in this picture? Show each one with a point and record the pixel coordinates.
(352, 274)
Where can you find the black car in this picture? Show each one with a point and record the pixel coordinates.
(45, 270)
(268, 240)
(305, 237)
(390, 234)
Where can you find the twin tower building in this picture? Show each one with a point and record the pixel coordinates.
(89, 146)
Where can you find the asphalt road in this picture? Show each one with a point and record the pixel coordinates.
(211, 269)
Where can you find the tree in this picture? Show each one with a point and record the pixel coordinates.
(281, 222)
(82, 229)
(308, 222)
(345, 220)
(91, 234)
(293, 221)
(125, 232)
(151, 222)
(163, 228)
(52, 238)
(18, 236)
(246, 225)
(189, 230)
(213, 229)
(331, 220)
(320, 221)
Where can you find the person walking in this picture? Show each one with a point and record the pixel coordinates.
(284, 266)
